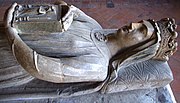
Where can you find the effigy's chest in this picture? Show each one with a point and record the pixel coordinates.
(73, 42)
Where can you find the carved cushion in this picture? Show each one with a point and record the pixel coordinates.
(143, 75)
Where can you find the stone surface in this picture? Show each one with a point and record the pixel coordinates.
(158, 95)
(11, 73)
(143, 75)
(140, 9)
(130, 78)
(78, 57)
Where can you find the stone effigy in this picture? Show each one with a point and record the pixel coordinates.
(61, 44)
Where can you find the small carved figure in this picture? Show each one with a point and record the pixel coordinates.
(59, 43)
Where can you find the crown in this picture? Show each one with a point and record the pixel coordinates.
(165, 30)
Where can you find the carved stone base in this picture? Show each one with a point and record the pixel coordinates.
(157, 95)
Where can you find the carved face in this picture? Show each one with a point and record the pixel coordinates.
(134, 33)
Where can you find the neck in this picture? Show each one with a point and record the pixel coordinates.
(112, 44)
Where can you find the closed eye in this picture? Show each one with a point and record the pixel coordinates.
(125, 29)
(143, 30)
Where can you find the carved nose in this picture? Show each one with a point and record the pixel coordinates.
(135, 25)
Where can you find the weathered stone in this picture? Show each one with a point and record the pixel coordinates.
(157, 95)
(79, 50)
